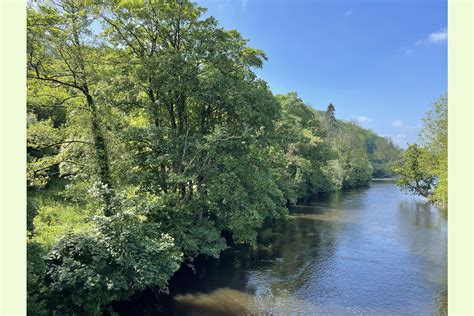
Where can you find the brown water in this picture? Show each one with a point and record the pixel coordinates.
(371, 251)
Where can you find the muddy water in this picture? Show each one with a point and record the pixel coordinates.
(371, 251)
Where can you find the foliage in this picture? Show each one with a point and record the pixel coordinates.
(415, 175)
(349, 146)
(300, 139)
(35, 274)
(382, 154)
(31, 212)
(434, 135)
(60, 51)
(126, 254)
(423, 168)
(56, 220)
(151, 138)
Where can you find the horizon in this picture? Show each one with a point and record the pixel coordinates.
(381, 65)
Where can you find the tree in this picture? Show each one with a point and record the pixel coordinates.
(382, 154)
(300, 139)
(330, 116)
(88, 271)
(423, 169)
(152, 141)
(60, 59)
(434, 135)
(415, 174)
(202, 107)
(348, 143)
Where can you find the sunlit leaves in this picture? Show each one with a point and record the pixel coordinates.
(126, 254)
(424, 168)
(157, 120)
(414, 171)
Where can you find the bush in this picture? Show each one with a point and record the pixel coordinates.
(126, 254)
(35, 269)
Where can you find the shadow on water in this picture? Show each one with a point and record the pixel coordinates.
(369, 251)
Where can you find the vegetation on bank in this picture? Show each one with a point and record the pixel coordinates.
(150, 138)
(423, 168)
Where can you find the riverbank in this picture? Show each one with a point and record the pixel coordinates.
(368, 251)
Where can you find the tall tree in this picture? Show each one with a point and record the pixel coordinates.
(60, 56)
(188, 68)
(203, 106)
(434, 135)
(330, 115)
(164, 107)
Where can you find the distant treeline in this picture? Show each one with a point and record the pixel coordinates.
(150, 138)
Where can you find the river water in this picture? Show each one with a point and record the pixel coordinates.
(368, 251)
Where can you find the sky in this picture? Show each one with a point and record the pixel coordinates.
(381, 63)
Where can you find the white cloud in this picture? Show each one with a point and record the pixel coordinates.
(244, 2)
(434, 38)
(397, 123)
(438, 37)
(401, 136)
(348, 13)
(363, 119)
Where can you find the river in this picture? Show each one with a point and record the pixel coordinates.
(367, 251)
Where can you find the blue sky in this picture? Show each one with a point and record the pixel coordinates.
(381, 63)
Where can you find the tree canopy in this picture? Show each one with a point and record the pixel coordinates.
(151, 141)
(423, 168)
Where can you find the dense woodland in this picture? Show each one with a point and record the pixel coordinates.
(151, 141)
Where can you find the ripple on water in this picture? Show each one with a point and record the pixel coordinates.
(372, 251)
(231, 302)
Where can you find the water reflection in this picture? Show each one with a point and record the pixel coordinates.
(230, 302)
(372, 251)
(423, 214)
(225, 301)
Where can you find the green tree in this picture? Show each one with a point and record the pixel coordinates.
(434, 135)
(300, 138)
(423, 169)
(202, 109)
(62, 63)
(382, 154)
(415, 174)
(152, 138)
(349, 145)
(86, 272)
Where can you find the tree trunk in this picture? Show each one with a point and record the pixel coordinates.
(102, 157)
